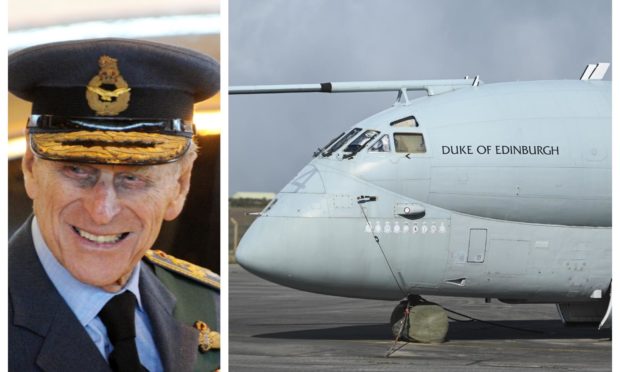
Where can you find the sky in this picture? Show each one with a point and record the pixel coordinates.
(300, 41)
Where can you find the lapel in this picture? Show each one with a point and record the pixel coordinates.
(39, 308)
(176, 342)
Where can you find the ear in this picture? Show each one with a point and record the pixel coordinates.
(182, 187)
(30, 182)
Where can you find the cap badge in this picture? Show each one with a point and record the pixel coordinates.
(103, 101)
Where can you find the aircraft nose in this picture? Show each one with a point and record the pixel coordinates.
(297, 253)
(259, 251)
(312, 237)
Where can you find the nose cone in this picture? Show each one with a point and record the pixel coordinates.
(301, 253)
(261, 251)
(315, 241)
(270, 248)
(251, 255)
(276, 249)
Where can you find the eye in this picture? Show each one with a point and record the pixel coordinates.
(75, 169)
(130, 181)
(78, 171)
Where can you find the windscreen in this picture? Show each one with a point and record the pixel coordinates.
(321, 149)
(382, 145)
(359, 143)
(342, 141)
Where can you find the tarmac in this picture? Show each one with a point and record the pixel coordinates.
(274, 328)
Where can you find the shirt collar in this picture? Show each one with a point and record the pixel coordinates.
(84, 300)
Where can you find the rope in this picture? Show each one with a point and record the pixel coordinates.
(380, 248)
(393, 348)
(472, 319)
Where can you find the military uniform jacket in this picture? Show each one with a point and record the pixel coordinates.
(45, 335)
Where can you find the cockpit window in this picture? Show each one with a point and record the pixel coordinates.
(408, 122)
(412, 143)
(382, 145)
(359, 143)
(342, 141)
(320, 150)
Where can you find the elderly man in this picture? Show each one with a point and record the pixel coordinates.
(109, 159)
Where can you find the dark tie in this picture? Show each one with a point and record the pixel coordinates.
(118, 317)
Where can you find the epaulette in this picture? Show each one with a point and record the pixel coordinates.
(182, 267)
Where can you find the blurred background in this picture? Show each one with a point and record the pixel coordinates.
(193, 24)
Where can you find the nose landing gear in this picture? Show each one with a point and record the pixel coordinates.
(418, 320)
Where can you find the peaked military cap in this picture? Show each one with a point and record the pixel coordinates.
(111, 101)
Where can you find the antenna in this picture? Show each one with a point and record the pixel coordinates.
(432, 87)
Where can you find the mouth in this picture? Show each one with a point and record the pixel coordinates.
(100, 239)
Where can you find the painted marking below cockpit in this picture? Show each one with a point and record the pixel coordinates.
(402, 228)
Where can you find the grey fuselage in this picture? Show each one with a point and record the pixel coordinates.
(508, 195)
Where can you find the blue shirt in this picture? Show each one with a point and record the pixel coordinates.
(86, 301)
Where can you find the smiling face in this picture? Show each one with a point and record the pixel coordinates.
(99, 220)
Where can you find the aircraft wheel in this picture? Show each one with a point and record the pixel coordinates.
(427, 322)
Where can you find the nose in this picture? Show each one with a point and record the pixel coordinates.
(267, 251)
(312, 237)
(102, 204)
(330, 256)
(251, 253)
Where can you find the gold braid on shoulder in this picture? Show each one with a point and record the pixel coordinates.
(182, 267)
